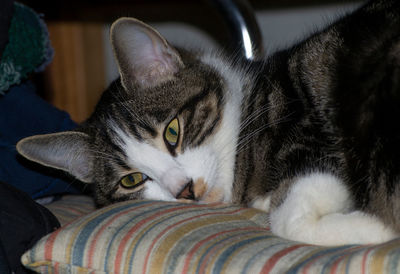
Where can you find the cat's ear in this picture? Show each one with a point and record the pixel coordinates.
(144, 57)
(65, 150)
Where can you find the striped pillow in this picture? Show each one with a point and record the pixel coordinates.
(164, 237)
(70, 207)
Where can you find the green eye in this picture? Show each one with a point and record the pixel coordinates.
(133, 180)
(171, 133)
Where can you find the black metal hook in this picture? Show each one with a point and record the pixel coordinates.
(243, 27)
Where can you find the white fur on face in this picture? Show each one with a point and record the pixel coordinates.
(318, 210)
(170, 174)
(224, 142)
(166, 175)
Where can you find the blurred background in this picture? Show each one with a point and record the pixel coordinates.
(83, 64)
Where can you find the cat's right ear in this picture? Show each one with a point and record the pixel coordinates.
(67, 151)
(144, 57)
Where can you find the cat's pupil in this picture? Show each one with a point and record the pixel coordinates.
(172, 131)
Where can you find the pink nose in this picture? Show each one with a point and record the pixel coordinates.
(187, 192)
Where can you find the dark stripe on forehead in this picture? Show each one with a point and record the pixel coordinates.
(122, 164)
(148, 128)
(133, 125)
(203, 124)
(193, 101)
(125, 120)
(140, 128)
(207, 131)
(202, 114)
(128, 116)
(133, 131)
(189, 117)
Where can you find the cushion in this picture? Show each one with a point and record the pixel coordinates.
(166, 237)
(70, 207)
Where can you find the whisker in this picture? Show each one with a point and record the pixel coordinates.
(254, 116)
(102, 155)
(260, 111)
(246, 139)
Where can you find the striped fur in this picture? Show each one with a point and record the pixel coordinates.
(305, 133)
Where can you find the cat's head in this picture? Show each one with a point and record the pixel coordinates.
(167, 129)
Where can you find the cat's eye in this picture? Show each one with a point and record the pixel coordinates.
(133, 180)
(171, 133)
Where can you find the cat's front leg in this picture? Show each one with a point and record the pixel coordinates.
(317, 209)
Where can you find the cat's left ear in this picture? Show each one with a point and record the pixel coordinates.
(144, 57)
(67, 151)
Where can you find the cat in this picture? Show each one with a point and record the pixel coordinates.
(308, 134)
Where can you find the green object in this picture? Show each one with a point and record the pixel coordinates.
(28, 49)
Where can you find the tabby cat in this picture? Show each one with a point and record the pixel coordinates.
(309, 134)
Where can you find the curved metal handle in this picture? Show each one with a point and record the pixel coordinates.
(243, 27)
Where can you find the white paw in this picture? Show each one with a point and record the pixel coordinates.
(317, 210)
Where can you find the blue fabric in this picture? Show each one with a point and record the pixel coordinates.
(23, 113)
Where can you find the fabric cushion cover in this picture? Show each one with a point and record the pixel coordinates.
(165, 237)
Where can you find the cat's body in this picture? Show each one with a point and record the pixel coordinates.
(308, 134)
